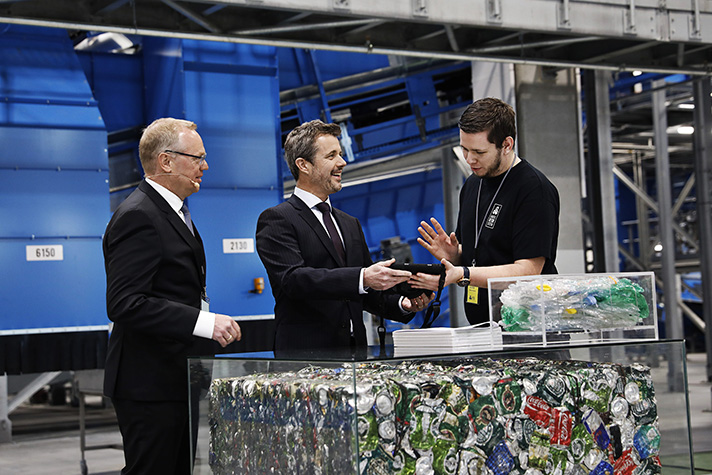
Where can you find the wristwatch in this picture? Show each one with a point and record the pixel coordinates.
(465, 281)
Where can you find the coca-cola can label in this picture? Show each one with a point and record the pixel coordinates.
(561, 427)
(538, 410)
(625, 465)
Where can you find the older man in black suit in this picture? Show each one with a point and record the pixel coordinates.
(155, 295)
(316, 257)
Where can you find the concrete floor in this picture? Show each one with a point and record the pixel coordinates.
(59, 453)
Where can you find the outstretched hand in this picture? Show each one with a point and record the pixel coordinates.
(438, 242)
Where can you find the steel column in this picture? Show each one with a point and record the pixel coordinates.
(703, 178)
(452, 184)
(642, 213)
(5, 422)
(600, 160)
(673, 319)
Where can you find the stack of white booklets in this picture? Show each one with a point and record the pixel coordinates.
(481, 337)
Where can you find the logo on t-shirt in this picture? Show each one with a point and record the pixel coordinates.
(492, 218)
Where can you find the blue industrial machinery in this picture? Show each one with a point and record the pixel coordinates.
(70, 126)
(385, 111)
(231, 92)
(54, 195)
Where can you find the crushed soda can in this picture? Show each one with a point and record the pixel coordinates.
(625, 464)
(500, 461)
(647, 441)
(539, 449)
(538, 411)
(593, 423)
(561, 426)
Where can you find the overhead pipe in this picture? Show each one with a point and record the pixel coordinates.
(535, 44)
(307, 27)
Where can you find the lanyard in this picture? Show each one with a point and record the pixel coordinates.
(478, 231)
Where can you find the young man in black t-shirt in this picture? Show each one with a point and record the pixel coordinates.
(508, 224)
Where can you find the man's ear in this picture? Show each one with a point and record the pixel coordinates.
(164, 162)
(303, 165)
(508, 144)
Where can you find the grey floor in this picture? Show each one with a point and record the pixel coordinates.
(58, 452)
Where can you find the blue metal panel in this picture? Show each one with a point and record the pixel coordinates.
(53, 294)
(232, 214)
(232, 94)
(53, 183)
(24, 112)
(117, 82)
(44, 55)
(295, 68)
(237, 117)
(52, 148)
(45, 203)
(240, 56)
(164, 82)
(309, 110)
(381, 209)
(42, 82)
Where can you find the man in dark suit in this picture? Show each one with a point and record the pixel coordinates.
(155, 295)
(316, 257)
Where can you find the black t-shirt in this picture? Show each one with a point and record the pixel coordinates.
(522, 222)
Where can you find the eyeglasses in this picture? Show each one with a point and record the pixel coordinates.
(198, 159)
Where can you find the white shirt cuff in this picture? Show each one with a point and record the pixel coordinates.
(400, 304)
(205, 325)
(361, 289)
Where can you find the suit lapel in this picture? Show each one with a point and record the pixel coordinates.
(308, 215)
(195, 242)
(348, 231)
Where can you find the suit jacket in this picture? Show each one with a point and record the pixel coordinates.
(316, 297)
(155, 277)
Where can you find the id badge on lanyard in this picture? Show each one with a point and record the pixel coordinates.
(473, 294)
(204, 301)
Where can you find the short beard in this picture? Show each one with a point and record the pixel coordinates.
(493, 171)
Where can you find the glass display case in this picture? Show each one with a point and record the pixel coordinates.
(606, 408)
(550, 310)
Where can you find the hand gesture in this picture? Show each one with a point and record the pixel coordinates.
(380, 276)
(438, 242)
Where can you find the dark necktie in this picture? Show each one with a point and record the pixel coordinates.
(333, 233)
(186, 216)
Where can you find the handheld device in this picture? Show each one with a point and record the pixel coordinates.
(406, 289)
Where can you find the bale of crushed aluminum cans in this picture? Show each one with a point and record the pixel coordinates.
(489, 416)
